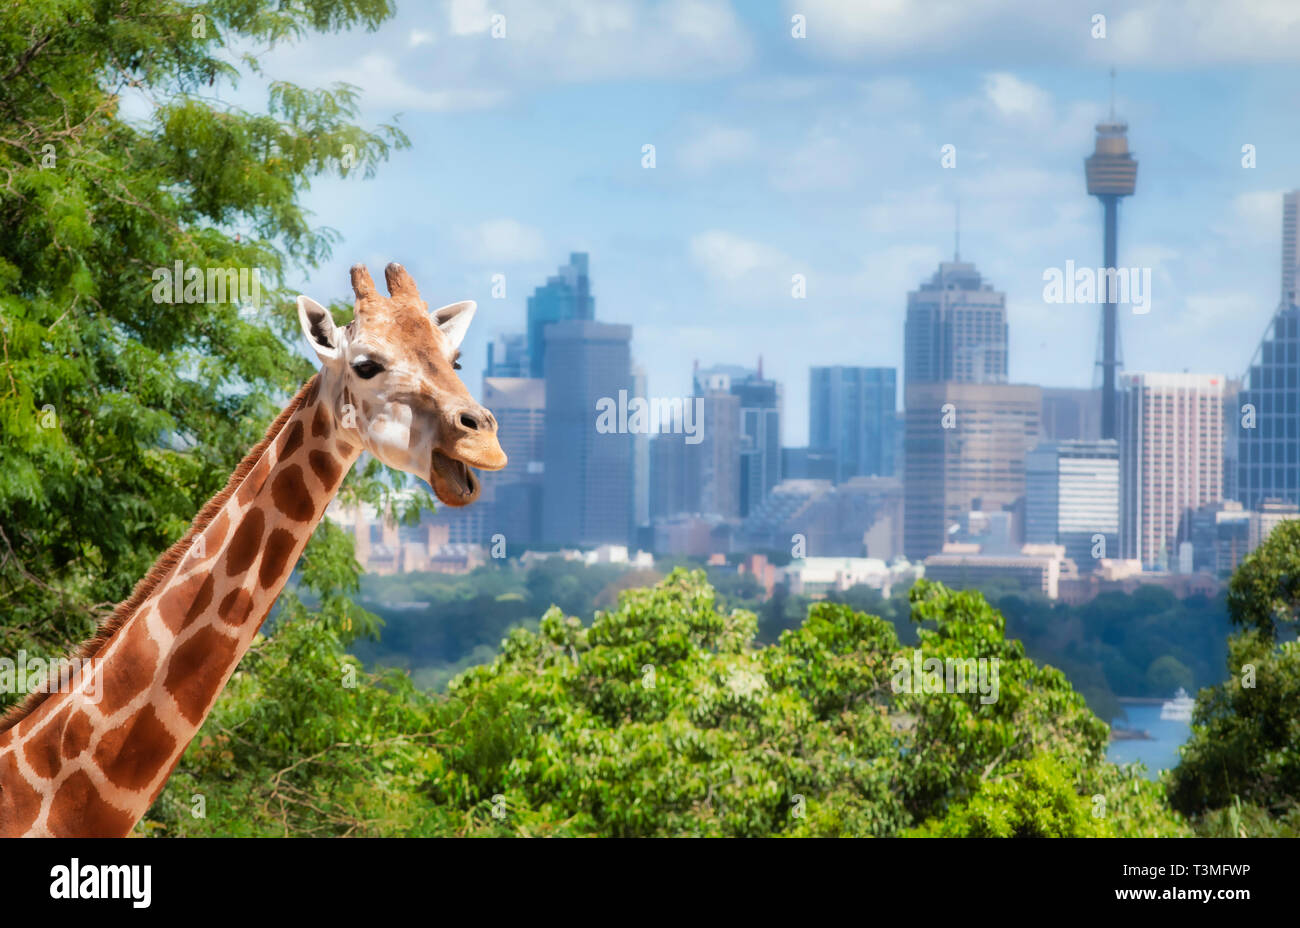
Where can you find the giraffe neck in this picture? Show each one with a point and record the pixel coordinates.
(91, 759)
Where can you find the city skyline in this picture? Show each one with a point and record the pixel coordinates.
(822, 156)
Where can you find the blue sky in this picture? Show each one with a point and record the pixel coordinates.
(821, 156)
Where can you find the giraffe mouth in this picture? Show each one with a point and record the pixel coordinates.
(452, 480)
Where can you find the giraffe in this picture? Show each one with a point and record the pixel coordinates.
(90, 758)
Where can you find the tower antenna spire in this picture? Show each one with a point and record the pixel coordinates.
(1112, 94)
(956, 232)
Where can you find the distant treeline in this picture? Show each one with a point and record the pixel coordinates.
(1147, 643)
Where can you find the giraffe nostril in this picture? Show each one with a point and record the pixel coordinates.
(468, 421)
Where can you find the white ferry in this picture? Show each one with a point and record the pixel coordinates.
(1178, 709)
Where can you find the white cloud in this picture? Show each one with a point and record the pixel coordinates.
(500, 241)
(384, 87)
(717, 145)
(1015, 99)
(576, 40)
(419, 37)
(727, 257)
(1146, 33)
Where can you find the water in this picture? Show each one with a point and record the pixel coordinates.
(1161, 753)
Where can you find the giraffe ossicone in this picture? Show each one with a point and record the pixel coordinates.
(88, 759)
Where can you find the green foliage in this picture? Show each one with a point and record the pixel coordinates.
(1240, 770)
(1245, 742)
(1264, 593)
(120, 415)
(662, 718)
(1036, 798)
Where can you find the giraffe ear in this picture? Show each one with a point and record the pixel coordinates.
(453, 321)
(318, 326)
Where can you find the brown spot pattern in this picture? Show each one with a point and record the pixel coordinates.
(79, 811)
(292, 440)
(235, 607)
(244, 544)
(279, 545)
(324, 467)
(252, 484)
(42, 752)
(290, 494)
(76, 735)
(19, 803)
(196, 671)
(320, 423)
(132, 754)
(182, 604)
(131, 669)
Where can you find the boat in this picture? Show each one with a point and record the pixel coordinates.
(1178, 709)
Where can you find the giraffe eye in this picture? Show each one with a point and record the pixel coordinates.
(366, 368)
(455, 365)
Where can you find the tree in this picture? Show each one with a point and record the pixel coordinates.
(124, 403)
(1264, 593)
(663, 718)
(1241, 766)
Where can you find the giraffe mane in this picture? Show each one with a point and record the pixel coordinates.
(170, 558)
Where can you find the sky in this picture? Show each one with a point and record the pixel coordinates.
(777, 155)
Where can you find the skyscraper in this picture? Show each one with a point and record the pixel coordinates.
(1290, 247)
(588, 494)
(640, 457)
(759, 427)
(1112, 173)
(1071, 413)
(567, 295)
(965, 446)
(1071, 496)
(515, 494)
(507, 356)
(1265, 421)
(672, 489)
(1171, 460)
(852, 413)
(956, 329)
(715, 461)
(1263, 416)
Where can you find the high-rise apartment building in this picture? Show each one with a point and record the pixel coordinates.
(640, 457)
(515, 493)
(852, 413)
(758, 443)
(507, 356)
(1071, 414)
(588, 482)
(715, 461)
(1171, 460)
(1072, 499)
(566, 295)
(956, 329)
(1291, 248)
(965, 446)
(1264, 418)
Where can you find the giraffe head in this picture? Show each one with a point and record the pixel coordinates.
(390, 374)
